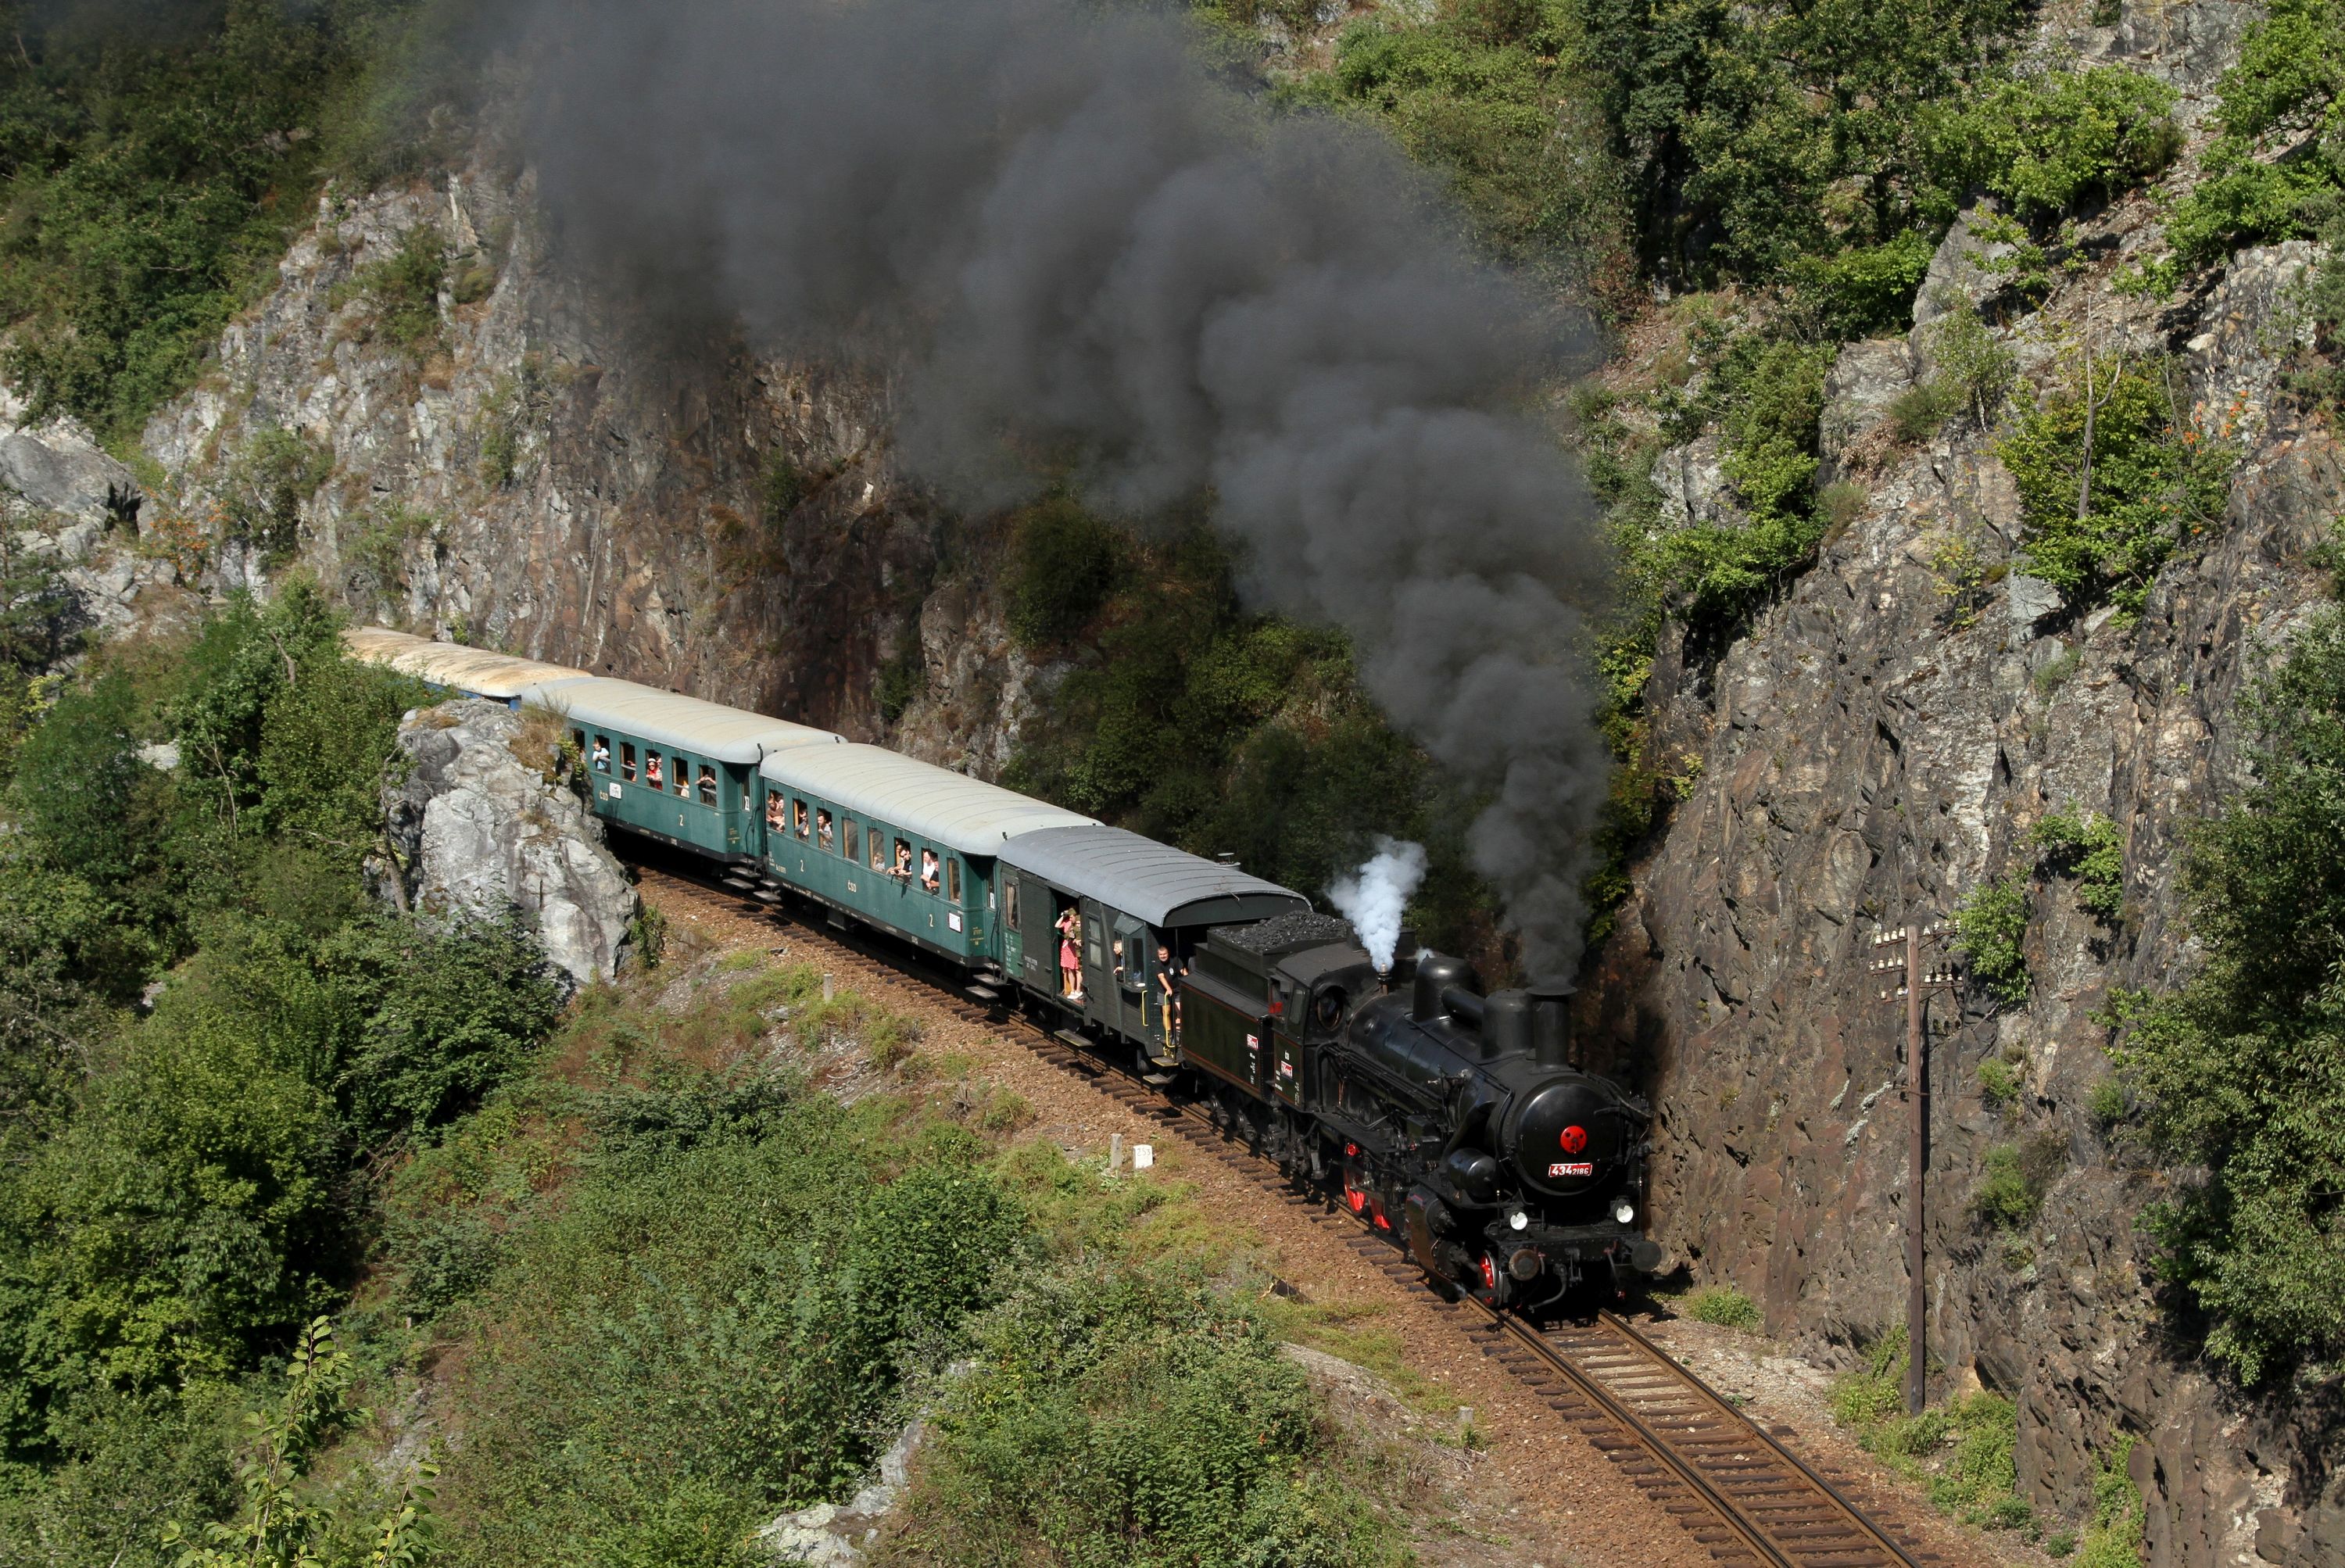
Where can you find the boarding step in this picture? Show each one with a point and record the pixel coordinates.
(1072, 1040)
(1157, 1079)
(984, 993)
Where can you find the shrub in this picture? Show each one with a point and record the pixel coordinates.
(1979, 1481)
(1990, 929)
(2290, 67)
(2112, 1536)
(274, 471)
(2237, 1071)
(1999, 1082)
(1726, 1307)
(1922, 410)
(1135, 1418)
(401, 292)
(2088, 847)
(2045, 143)
(1974, 373)
(2099, 524)
(1875, 1393)
(1865, 290)
(2013, 1179)
(1062, 562)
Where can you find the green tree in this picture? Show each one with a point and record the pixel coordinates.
(2241, 1072)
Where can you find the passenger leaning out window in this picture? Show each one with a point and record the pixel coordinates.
(602, 754)
(904, 859)
(707, 785)
(930, 871)
(800, 808)
(822, 833)
(776, 816)
(652, 775)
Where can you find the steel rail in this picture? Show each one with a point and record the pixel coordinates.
(1751, 1534)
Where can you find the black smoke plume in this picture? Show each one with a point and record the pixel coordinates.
(1067, 236)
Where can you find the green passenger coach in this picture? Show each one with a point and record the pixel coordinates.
(900, 844)
(672, 768)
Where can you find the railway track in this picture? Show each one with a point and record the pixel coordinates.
(1735, 1488)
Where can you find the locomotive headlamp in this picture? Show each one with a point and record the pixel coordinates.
(1519, 1219)
(1623, 1211)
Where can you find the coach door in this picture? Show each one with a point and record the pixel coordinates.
(1005, 920)
(1099, 978)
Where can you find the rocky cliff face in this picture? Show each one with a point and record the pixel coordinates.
(1879, 745)
(529, 470)
(481, 832)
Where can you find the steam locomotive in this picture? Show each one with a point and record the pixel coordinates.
(1451, 1118)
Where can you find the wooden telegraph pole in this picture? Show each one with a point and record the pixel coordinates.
(1909, 990)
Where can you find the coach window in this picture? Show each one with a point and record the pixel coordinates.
(854, 840)
(602, 754)
(778, 811)
(903, 866)
(822, 833)
(682, 767)
(799, 807)
(1009, 901)
(627, 759)
(953, 879)
(578, 741)
(707, 785)
(879, 848)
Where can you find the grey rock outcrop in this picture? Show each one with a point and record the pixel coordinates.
(1859, 390)
(834, 1535)
(480, 835)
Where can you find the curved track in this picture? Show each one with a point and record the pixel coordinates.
(1743, 1495)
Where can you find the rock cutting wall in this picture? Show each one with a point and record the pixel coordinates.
(1876, 748)
(555, 478)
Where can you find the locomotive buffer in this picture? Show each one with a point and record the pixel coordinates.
(1893, 952)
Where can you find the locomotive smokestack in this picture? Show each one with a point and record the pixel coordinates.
(1550, 1025)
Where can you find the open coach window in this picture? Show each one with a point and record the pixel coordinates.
(776, 812)
(707, 785)
(602, 754)
(628, 761)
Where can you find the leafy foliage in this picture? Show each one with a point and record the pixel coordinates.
(1990, 929)
(1063, 561)
(2087, 846)
(2099, 522)
(156, 160)
(1966, 1451)
(2113, 1534)
(1223, 732)
(2046, 142)
(1123, 1417)
(1726, 1307)
(2281, 95)
(400, 292)
(2241, 1072)
(1499, 97)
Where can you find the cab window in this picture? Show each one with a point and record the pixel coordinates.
(953, 879)
(627, 759)
(854, 840)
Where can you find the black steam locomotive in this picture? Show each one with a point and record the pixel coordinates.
(1451, 1117)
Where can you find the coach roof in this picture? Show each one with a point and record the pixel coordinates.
(937, 804)
(452, 665)
(1164, 886)
(668, 719)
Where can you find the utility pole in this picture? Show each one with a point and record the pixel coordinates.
(1941, 975)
